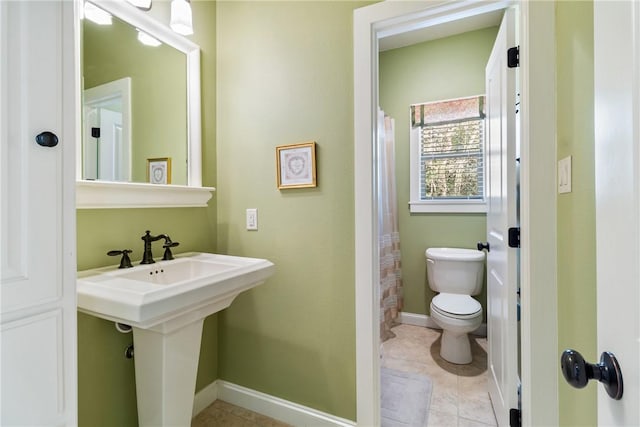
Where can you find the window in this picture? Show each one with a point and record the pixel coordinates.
(447, 156)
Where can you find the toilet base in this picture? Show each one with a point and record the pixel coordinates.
(455, 348)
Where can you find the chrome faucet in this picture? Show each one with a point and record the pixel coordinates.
(147, 257)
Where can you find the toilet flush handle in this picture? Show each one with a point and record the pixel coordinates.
(483, 245)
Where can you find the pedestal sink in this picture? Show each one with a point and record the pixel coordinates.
(166, 303)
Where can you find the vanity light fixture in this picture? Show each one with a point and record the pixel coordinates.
(146, 39)
(181, 21)
(141, 4)
(94, 14)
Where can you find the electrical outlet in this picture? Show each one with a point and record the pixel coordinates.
(252, 219)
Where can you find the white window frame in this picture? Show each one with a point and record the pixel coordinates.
(416, 205)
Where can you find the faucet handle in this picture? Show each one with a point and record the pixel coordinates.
(167, 250)
(125, 262)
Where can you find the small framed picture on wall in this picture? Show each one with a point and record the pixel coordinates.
(159, 170)
(296, 165)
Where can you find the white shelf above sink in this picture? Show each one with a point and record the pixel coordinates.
(117, 195)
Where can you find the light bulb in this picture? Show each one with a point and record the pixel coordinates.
(94, 14)
(141, 4)
(181, 17)
(148, 40)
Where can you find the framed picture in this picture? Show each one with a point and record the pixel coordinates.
(296, 165)
(159, 170)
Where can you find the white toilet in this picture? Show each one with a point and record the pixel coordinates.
(456, 274)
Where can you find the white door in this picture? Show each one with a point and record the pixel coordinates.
(107, 107)
(501, 214)
(617, 162)
(38, 92)
(108, 149)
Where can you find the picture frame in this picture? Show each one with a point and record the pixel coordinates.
(296, 165)
(159, 170)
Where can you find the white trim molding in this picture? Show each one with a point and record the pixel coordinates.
(538, 198)
(110, 195)
(270, 406)
(538, 216)
(450, 206)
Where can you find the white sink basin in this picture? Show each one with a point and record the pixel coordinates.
(166, 303)
(157, 296)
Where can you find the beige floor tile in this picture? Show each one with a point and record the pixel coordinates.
(477, 409)
(405, 365)
(223, 414)
(441, 419)
(459, 395)
(444, 399)
(473, 386)
(463, 422)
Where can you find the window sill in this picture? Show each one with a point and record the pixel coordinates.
(447, 207)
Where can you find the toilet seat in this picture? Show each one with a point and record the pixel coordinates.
(456, 306)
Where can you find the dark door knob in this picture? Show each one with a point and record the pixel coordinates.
(47, 139)
(577, 372)
(483, 245)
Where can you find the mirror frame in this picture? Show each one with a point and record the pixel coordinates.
(107, 194)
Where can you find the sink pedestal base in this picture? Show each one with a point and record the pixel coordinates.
(166, 367)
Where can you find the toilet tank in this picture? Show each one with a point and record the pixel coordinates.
(455, 270)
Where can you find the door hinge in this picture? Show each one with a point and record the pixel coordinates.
(514, 237)
(515, 418)
(95, 132)
(513, 57)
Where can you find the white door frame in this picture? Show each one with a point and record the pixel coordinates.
(539, 347)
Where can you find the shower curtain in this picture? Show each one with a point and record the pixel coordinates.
(391, 300)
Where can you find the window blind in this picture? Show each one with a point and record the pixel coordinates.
(451, 149)
(452, 161)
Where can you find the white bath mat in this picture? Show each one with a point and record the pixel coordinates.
(405, 398)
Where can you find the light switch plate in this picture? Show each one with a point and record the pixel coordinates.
(252, 219)
(564, 175)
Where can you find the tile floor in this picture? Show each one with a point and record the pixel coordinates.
(459, 396)
(223, 414)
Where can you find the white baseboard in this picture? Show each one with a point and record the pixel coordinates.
(427, 322)
(274, 407)
(417, 320)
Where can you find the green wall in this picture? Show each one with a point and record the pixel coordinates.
(158, 92)
(106, 383)
(285, 75)
(576, 210)
(447, 68)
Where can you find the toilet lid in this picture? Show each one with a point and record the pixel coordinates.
(463, 305)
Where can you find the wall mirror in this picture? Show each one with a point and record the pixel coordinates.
(141, 101)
